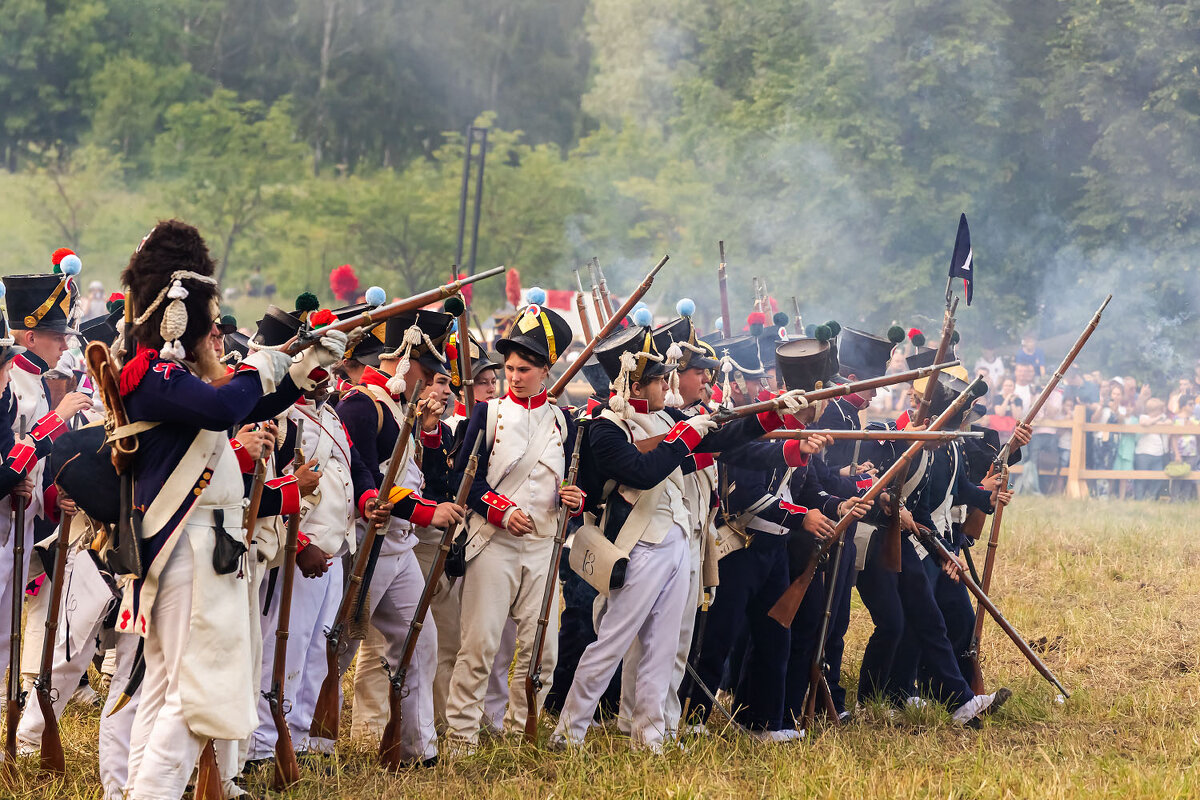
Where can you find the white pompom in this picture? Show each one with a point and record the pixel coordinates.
(674, 352)
(177, 292)
(396, 385)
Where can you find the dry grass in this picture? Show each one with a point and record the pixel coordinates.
(1112, 587)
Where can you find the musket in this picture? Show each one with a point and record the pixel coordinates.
(533, 677)
(559, 385)
(942, 348)
(934, 544)
(785, 608)
(15, 699)
(726, 319)
(465, 375)
(373, 316)
(602, 314)
(208, 775)
(797, 323)
(51, 759)
(1001, 464)
(877, 436)
(838, 390)
(389, 744)
(605, 297)
(328, 707)
(581, 308)
(758, 306)
(287, 770)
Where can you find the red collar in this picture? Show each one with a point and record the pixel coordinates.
(536, 401)
(25, 364)
(460, 409)
(856, 400)
(638, 405)
(373, 377)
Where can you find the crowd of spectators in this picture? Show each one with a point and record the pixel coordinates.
(1015, 381)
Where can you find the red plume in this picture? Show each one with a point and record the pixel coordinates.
(114, 297)
(512, 287)
(914, 332)
(756, 318)
(60, 254)
(466, 290)
(343, 283)
(321, 318)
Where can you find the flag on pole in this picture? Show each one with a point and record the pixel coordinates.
(962, 261)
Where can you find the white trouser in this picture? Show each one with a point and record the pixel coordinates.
(163, 750)
(496, 701)
(35, 633)
(65, 673)
(369, 714)
(314, 609)
(649, 608)
(394, 594)
(115, 729)
(629, 672)
(505, 581)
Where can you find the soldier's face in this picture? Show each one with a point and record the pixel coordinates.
(524, 378)
(441, 388)
(693, 384)
(486, 385)
(654, 392)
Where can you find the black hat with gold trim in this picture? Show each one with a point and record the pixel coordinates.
(45, 302)
(629, 356)
(364, 349)
(479, 359)
(537, 330)
(417, 335)
(677, 340)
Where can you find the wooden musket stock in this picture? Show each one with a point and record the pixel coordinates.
(51, 758)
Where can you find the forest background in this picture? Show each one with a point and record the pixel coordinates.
(831, 143)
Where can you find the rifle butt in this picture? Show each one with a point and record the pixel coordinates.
(326, 712)
(976, 675)
(531, 717)
(208, 775)
(287, 769)
(51, 758)
(390, 757)
(788, 604)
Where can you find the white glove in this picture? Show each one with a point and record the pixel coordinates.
(793, 402)
(701, 424)
(272, 365)
(322, 355)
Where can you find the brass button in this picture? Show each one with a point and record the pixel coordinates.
(196, 491)
(203, 483)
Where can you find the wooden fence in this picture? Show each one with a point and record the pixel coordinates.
(1077, 471)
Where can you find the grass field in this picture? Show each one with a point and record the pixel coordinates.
(1113, 588)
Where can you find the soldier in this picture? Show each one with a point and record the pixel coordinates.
(372, 413)
(638, 556)
(514, 502)
(193, 607)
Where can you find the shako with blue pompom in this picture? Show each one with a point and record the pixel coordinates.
(46, 302)
(537, 329)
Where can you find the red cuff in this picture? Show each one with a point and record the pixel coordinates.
(302, 541)
(433, 439)
(289, 493)
(369, 494)
(245, 462)
(497, 504)
(35, 586)
(50, 425)
(23, 457)
(792, 455)
(792, 508)
(685, 433)
(50, 507)
(422, 515)
(579, 510)
(703, 460)
(864, 483)
(771, 421)
(244, 367)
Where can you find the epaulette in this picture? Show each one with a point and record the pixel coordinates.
(136, 369)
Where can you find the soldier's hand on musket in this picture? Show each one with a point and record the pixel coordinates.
(991, 483)
(71, 404)
(1000, 499)
(571, 497)
(377, 512)
(24, 488)
(66, 504)
(254, 440)
(865, 467)
(519, 523)
(818, 524)
(1022, 434)
(313, 561)
(906, 521)
(954, 568)
(430, 409)
(811, 445)
(308, 476)
(447, 514)
(855, 506)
